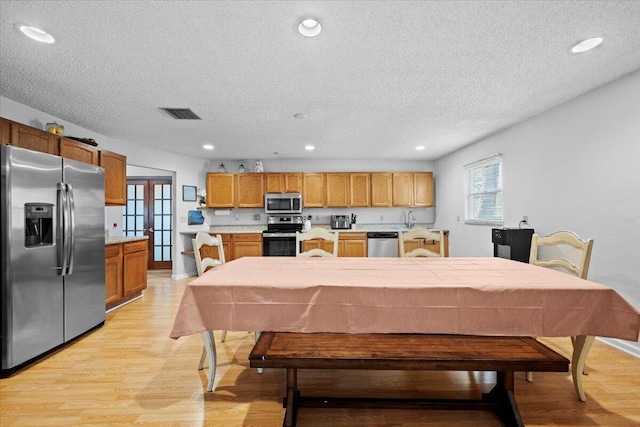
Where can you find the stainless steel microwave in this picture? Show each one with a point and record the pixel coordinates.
(283, 203)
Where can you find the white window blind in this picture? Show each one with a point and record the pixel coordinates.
(483, 188)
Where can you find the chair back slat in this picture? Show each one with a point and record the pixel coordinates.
(420, 233)
(317, 233)
(580, 269)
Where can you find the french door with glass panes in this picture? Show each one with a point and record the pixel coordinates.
(148, 213)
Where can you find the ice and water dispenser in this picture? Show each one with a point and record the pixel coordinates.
(512, 243)
(38, 224)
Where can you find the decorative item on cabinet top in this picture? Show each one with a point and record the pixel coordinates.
(202, 197)
(258, 167)
(222, 168)
(55, 128)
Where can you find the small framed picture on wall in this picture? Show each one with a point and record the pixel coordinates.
(189, 193)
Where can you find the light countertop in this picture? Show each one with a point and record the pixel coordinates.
(111, 240)
(360, 228)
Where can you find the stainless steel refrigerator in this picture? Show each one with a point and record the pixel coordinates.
(53, 278)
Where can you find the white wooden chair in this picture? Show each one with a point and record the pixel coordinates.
(557, 254)
(420, 233)
(204, 263)
(561, 260)
(317, 233)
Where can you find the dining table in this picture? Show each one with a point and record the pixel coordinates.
(463, 296)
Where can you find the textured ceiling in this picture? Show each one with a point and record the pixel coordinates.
(381, 78)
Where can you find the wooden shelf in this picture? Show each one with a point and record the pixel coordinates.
(187, 252)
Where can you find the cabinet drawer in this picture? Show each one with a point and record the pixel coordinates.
(137, 246)
(247, 237)
(111, 251)
(352, 236)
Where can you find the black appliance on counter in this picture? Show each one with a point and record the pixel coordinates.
(279, 239)
(512, 243)
(340, 222)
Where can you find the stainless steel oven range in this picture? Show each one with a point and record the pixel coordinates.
(280, 237)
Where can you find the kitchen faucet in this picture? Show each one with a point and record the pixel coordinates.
(410, 217)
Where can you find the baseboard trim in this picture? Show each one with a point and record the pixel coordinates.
(622, 345)
(183, 276)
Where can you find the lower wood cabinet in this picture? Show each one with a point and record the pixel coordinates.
(431, 245)
(113, 273)
(125, 271)
(349, 245)
(135, 267)
(235, 246)
(245, 245)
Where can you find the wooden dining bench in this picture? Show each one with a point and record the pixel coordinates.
(504, 355)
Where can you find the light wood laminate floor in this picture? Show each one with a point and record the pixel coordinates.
(130, 372)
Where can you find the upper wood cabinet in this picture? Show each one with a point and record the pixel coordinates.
(70, 149)
(337, 190)
(292, 182)
(249, 190)
(283, 182)
(5, 131)
(33, 139)
(413, 189)
(423, 189)
(115, 177)
(221, 190)
(323, 190)
(274, 183)
(403, 189)
(381, 190)
(359, 190)
(313, 194)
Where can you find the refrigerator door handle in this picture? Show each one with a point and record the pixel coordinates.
(61, 229)
(64, 228)
(71, 229)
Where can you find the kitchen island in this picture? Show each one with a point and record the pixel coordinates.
(125, 269)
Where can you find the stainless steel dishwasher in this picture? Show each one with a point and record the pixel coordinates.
(382, 244)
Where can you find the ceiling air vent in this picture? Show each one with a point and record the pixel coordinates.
(181, 113)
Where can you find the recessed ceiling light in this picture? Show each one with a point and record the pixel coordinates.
(309, 147)
(586, 45)
(309, 27)
(300, 116)
(37, 34)
(420, 147)
(207, 147)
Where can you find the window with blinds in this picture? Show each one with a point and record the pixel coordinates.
(483, 189)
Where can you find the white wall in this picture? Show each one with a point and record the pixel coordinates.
(571, 168)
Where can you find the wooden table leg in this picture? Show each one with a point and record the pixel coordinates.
(210, 348)
(581, 347)
(291, 399)
(503, 397)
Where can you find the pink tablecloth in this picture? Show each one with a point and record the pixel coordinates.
(476, 296)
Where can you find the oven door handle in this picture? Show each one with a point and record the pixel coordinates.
(278, 235)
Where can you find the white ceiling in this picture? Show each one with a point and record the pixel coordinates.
(381, 78)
